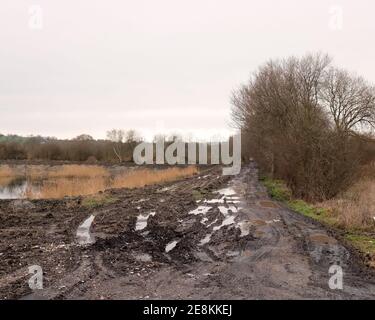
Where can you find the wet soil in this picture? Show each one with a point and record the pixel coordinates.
(211, 237)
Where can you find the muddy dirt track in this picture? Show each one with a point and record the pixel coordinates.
(204, 237)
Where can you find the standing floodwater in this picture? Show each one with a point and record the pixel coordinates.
(13, 189)
(59, 181)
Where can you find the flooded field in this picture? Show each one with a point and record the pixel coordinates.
(54, 182)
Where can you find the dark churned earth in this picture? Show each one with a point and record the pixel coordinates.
(203, 237)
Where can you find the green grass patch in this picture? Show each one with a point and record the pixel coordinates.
(362, 242)
(97, 201)
(304, 208)
(311, 211)
(279, 191)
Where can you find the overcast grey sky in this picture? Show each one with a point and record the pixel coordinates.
(87, 66)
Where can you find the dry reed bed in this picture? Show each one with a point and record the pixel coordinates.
(92, 180)
(143, 177)
(6, 171)
(355, 208)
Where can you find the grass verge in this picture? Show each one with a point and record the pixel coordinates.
(362, 240)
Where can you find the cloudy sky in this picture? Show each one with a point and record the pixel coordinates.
(86, 66)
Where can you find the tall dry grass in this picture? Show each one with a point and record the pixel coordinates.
(89, 182)
(57, 188)
(7, 175)
(355, 208)
(6, 171)
(36, 172)
(143, 177)
(5, 181)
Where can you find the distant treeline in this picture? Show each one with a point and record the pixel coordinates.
(118, 147)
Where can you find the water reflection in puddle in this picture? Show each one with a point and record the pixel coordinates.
(227, 222)
(206, 239)
(227, 192)
(56, 182)
(142, 221)
(83, 232)
(170, 246)
(244, 227)
(200, 210)
(225, 211)
(16, 189)
(26, 188)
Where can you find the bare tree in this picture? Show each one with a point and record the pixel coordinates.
(132, 136)
(123, 143)
(159, 137)
(282, 112)
(117, 136)
(84, 137)
(349, 99)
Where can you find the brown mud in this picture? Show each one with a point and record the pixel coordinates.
(208, 237)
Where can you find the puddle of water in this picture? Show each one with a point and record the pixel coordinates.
(227, 192)
(165, 189)
(258, 223)
(142, 221)
(214, 201)
(232, 201)
(204, 220)
(233, 253)
(206, 239)
(322, 238)
(83, 232)
(272, 221)
(185, 224)
(228, 195)
(170, 246)
(200, 210)
(213, 222)
(225, 210)
(13, 188)
(244, 227)
(259, 233)
(227, 222)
